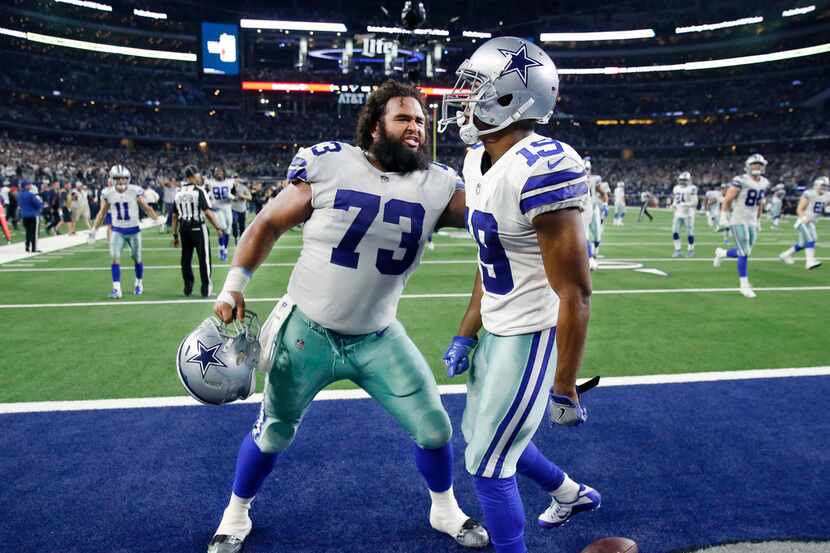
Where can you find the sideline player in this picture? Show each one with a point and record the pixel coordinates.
(368, 211)
(592, 215)
(619, 204)
(221, 191)
(531, 294)
(812, 205)
(741, 212)
(684, 198)
(776, 204)
(122, 200)
(712, 201)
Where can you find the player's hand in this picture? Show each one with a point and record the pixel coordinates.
(175, 241)
(91, 238)
(566, 410)
(723, 222)
(229, 304)
(456, 359)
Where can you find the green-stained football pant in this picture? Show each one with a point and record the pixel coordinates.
(386, 364)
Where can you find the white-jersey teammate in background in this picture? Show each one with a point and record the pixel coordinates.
(812, 205)
(122, 200)
(741, 213)
(619, 204)
(684, 200)
(776, 204)
(592, 216)
(221, 192)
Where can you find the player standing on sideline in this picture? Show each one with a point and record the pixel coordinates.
(192, 209)
(812, 205)
(368, 210)
(603, 210)
(684, 197)
(533, 287)
(645, 198)
(619, 204)
(712, 201)
(776, 204)
(741, 212)
(591, 215)
(122, 200)
(221, 191)
(240, 209)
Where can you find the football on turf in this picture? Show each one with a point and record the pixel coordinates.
(612, 545)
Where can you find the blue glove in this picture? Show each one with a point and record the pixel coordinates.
(565, 411)
(456, 358)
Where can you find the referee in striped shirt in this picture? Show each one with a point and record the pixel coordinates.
(192, 210)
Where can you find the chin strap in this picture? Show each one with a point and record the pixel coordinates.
(470, 134)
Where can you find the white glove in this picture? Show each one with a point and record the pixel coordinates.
(91, 238)
(723, 222)
(565, 411)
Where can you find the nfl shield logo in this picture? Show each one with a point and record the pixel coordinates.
(300, 344)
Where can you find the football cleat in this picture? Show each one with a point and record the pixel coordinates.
(593, 264)
(139, 289)
(225, 544)
(473, 535)
(786, 258)
(747, 291)
(677, 253)
(690, 253)
(588, 499)
(720, 254)
(115, 294)
(812, 264)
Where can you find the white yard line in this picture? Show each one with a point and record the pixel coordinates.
(622, 292)
(445, 389)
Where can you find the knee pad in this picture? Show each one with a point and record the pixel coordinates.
(675, 236)
(274, 436)
(434, 429)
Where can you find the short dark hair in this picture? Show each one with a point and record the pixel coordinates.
(375, 107)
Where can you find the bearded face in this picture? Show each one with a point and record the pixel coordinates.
(400, 138)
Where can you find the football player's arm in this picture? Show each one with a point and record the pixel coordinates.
(471, 321)
(105, 207)
(562, 240)
(729, 197)
(174, 229)
(292, 207)
(457, 357)
(801, 209)
(453, 215)
(147, 209)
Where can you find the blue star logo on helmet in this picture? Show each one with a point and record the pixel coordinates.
(518, 62)
(207, 357)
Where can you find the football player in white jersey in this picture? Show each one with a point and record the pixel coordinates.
(619, 204)
(711, 205)
(813, 204)
(684, 200)
(776, 204)
(222, 197)
(367, 211)
(121, 201)
(531, 296)
(741, 212)
(592, 214)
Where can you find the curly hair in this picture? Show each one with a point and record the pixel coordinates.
(375, 107)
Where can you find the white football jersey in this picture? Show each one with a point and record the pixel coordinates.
(816, 204)
(685, 200)
(619, 195)
(536, 175)
(715, 199)
(745, 205)
(365, 236)
(595, 182)
(124, 208)
(221, 191)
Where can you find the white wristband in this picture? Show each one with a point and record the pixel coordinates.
(226, 297)
(237, 279)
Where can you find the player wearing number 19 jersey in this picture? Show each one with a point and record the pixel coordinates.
(741, 212)
(531, 291)
(368, 211)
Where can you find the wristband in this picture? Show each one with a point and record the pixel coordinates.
(237, 279)
(226, 297)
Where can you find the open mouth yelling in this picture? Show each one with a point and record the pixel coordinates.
(412, 141)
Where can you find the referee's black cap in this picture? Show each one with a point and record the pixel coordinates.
(191, 171)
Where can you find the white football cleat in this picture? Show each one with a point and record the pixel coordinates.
(115, 294)
(812, 264)
(786, 258)
(588, 499)
(720, 255)
(593, 264)
(747, 291)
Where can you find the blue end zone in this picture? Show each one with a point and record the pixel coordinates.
(678, 465)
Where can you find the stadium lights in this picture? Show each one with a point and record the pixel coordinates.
(798, 11)
(87, 4)
(148, 13)
(292, 25)
(11, 32)
(595, 36)
(721, 25)
(711, 64)
(476, 34)
(110, 48)
(401, 31)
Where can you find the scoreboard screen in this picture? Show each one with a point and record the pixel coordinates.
(220, 49)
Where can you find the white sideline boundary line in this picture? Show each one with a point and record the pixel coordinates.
(444, 389)
(113, 303)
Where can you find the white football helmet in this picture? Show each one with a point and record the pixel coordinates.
(755, 158)
(216, 362)
(621, 184)
(507, 79)
(119, 172)
(685, 177)
(821, 183)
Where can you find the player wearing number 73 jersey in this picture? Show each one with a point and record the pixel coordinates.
(741, 212)
(532, 290)
(368, 211)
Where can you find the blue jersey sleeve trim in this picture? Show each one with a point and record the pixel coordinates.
(554, 197)
(541, 181)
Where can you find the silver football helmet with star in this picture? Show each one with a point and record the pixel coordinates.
(507, 79)
(685, 177)
(216, 362)
(755, 158)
